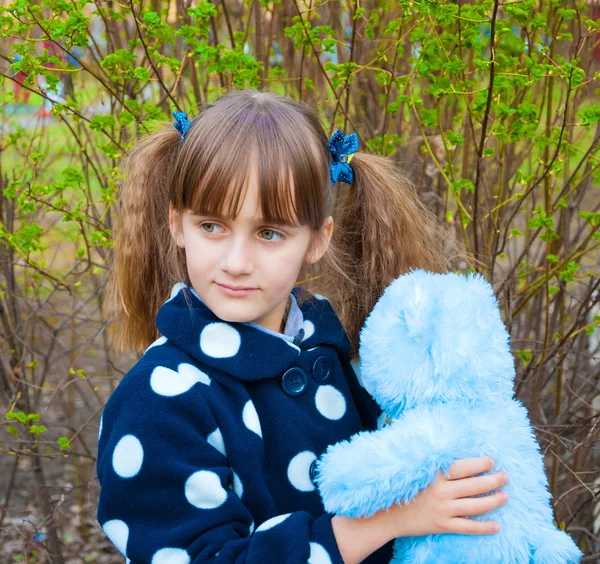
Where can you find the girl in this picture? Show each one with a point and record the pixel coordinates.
(207, 447)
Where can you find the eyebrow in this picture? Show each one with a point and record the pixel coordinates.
(258, 220)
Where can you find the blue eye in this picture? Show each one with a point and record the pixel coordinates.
(272, 233)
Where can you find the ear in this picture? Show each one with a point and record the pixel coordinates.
(321, 242)
(175, 226)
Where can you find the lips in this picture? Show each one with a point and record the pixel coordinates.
(236, 291)
(237, 288)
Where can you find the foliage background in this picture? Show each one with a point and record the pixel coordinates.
(489, 106)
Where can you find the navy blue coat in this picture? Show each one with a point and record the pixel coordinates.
(206, 447)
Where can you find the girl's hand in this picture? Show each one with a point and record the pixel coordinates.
(443, 506)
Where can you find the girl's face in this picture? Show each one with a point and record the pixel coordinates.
(245, 269)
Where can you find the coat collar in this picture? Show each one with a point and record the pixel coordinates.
(246, 351)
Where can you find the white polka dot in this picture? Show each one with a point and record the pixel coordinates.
(237, 485)
(330, 402)
(309, 329)
(250, 418)
(118, 532)
(100, 427)
(220, 340)
(160, 341)
(216, 439)
(203, 490)
(167, 382)
(251, 528)
(272, 522)
(320, 297)
(176, 289)
(171, 556)
(299, 471)
(128, 456)
(318, 555)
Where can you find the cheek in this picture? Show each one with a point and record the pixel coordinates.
(286, 264)
(199, 257)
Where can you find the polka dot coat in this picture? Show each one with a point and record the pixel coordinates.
(207, 447)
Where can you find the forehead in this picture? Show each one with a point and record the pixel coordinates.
(252, 197)
(271, 156)
(250, 211)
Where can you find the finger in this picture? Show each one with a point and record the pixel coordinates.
(478, 485)
(471, 527)
(470, 506)
(466, 467)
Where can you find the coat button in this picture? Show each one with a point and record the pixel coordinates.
(312, 472)
(294, 382)
(322, 370)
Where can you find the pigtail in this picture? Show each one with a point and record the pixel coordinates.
(145, 261)
(382, 229)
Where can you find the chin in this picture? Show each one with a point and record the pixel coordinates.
(233, 314)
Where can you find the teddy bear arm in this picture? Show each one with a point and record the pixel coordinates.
(374, 470)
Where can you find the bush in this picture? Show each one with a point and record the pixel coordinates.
(490, 107)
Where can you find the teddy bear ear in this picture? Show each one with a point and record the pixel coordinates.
(405, 313)
(413, 300)
(389, 353)
(470, 328)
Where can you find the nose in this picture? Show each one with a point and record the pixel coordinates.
(237, 257)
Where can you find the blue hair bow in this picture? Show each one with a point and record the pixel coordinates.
(182, 124)
(342, 148)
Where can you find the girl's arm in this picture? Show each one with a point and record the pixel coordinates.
(442, 507)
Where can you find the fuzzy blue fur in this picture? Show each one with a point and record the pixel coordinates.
(435, 354)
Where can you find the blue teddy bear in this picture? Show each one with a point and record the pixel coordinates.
(434, 353)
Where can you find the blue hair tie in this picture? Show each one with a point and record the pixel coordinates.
(182, 124)
(342, 148)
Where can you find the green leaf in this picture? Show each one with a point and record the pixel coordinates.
(568, 274)
(373, 21)
(141, 73)
(72, 175)
(63, 443)
(126, 117)
(359, 12)
(203, 10)
(525, 355)
(35, 157)
(463, 184)
(562, 203)
(98, 122)
(593, 218)
(454, 138)
(37, 429)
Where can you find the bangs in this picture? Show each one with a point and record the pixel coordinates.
(223, 152)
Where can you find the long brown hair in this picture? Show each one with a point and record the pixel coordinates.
(381, 227)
